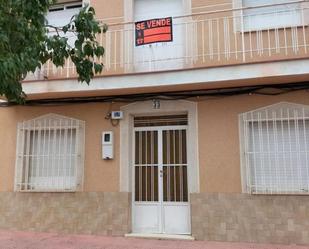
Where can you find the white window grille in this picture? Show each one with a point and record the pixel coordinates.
(275, 149)
(50, 154)
(278, 14)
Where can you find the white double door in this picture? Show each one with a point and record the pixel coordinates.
(160, 181)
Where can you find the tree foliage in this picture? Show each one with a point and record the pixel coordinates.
(26, 43)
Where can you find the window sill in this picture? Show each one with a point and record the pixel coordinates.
(46, 191)
(279, 194)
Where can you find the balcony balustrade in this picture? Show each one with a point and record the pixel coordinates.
(205, 39)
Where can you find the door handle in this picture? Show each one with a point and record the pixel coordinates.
(161, 173)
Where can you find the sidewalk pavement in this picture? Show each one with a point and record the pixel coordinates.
(30, 240)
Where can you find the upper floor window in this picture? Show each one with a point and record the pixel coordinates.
(279, 14)
(275, 149)
(50, 152)
(61, 14)
(162, 55)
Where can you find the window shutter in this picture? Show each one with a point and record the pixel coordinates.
(278, 14)
(275, 149)
(305, 12)
(238, 19)
(20, 145)
(62, 14)
(81, 149)
(50, 154)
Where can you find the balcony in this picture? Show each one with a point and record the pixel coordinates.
(214, 38)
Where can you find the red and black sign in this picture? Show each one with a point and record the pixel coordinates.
(153, 31)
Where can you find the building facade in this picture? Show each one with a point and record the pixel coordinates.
(205, 135)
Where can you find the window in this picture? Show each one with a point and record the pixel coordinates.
(275, 149)
(283, 13)
(50, 152)
(61, 14)
(163, 55)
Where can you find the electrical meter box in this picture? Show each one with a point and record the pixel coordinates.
(117, 115)
(107, 145)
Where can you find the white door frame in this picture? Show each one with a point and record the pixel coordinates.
(167, 107)
(161, 204)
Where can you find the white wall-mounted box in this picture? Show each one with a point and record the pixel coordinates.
(107, 145)
(117, 115)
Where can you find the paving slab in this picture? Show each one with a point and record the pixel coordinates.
(31, 240)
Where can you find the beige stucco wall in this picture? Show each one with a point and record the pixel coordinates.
(219, 157)
(219, 139)
(99, 175)
(8, 142)
(223, 44)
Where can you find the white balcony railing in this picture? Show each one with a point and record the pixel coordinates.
(208, 39)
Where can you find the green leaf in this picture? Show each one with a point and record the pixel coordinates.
(25, 43)
(65, 28)
(99, 51)
(98, 68)
(88, 50)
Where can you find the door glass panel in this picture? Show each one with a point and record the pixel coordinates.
(175, 183)
(174, 168)
(146, 166)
